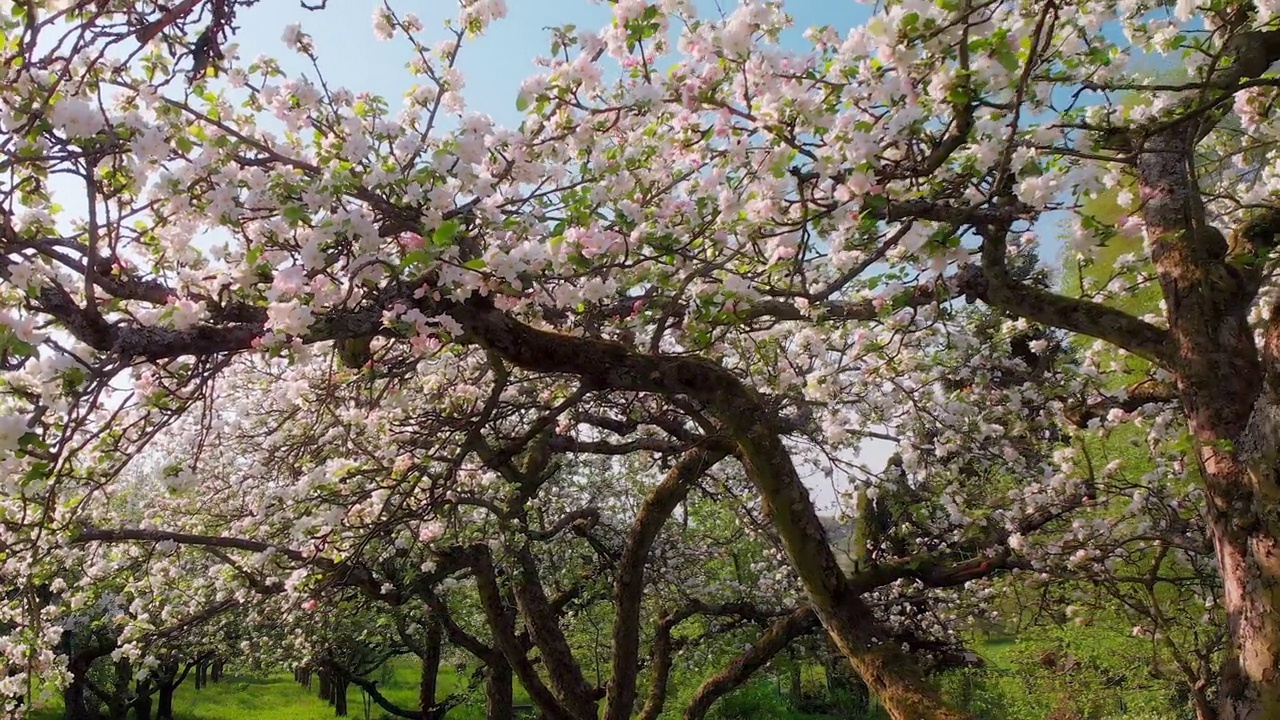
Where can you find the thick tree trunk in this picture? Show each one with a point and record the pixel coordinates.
(502, 623)
(1243, 514)
(499, 701)
(118, 708)
(628, 591)
(1203, 708)
(888, 672)
(1220, 377)
(563, 670)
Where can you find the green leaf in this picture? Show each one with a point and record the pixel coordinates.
(11, 344)
(38, 472)
(417, 257)
(522, 103)
(32, 440)
(445, 234)
(475, 264)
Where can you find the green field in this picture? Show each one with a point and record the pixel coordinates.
(1002, 690)
(278, 697)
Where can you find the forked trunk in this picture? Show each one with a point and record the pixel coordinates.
(888, 671)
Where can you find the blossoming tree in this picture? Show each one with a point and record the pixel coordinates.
(690, 218)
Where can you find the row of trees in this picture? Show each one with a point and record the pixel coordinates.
(371, 377)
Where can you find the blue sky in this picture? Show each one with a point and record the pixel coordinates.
(493, 65)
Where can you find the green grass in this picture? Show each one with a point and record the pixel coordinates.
(278, 697)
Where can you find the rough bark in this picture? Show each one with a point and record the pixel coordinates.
(324, 688)
(660, 664)
(119, 703)
(1202, 706)
(143, 702)
(1219, 373)
(1244, 514)
(76, 700)
(628, 589)
(502, 624)
(544, 629)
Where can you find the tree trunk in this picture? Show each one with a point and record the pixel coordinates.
(499, 701)
(563, 669)
(1220, 377)
(1249, 561)
(76, 698)
(430, 667)
(1203, 708)
(340, 696)
(628, 591)
(797, 687)
(323, 687)
(889, 673)
(142, 703)
(164, 700)
(218, 666)
(779, 635)
(118, 708)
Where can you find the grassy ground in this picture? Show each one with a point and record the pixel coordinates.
(280, 698)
